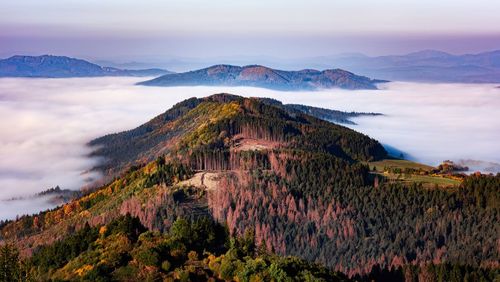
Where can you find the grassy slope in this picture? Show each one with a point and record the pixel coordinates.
(428, 180)
(400, 164)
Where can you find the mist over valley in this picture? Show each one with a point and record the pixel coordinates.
(48, 122)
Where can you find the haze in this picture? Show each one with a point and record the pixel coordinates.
(47, 122)
(137, 30)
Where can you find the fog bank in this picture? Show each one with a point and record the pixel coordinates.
(45, 123)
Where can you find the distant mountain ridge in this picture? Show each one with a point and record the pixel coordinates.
(62, 66)
(261, 76)
(424, 66)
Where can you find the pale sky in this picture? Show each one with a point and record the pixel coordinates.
(287, 28)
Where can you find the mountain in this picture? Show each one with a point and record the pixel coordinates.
(423, 66)
(236, 185)
(60, 66)
(260, 76)
(156, 137)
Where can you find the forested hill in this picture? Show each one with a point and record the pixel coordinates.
(261, 76)
(222, 120)
(238, 185)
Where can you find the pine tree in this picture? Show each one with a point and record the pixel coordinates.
(9, 263)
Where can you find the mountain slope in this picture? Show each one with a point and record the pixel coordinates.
(124, 250)
(299, 185)
(60, 66)
(260, 76)
(219, 133)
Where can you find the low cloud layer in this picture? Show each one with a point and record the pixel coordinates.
(45, 123)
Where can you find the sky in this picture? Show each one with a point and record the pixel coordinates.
(148, 30)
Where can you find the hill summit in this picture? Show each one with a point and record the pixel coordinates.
(225, 121)
(260, 76)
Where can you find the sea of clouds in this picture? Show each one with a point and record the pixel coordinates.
(45, 124)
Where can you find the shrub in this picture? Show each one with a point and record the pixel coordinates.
(147, 257)
(193, 255)
(165, 265)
